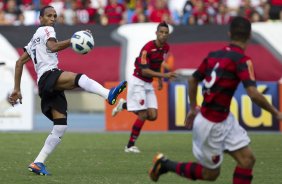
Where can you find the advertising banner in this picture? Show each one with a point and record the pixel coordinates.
(250, 116)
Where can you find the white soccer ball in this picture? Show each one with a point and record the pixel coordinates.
(82, 42)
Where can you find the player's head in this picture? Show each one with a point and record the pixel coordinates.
(162, 32)
(48, 16)
(240, 29)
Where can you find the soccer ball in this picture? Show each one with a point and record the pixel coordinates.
(82, 42)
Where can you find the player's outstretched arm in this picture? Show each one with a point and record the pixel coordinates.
(261, 101)
(55, 46)
(16, 94)
(150, 73)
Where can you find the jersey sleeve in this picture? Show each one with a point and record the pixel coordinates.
(245, 72)
(49, 32)
(199, 74)
(27, 48)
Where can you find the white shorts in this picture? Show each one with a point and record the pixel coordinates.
(210, 139)
(140, 95)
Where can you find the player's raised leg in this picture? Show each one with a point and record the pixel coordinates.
(70, 80)
(115, 91)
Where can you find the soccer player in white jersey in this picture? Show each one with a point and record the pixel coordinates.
(42, 50)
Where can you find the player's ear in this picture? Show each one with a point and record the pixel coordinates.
(40, 19)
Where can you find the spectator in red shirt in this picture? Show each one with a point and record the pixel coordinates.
(115, 12)
(139, 15)
(160, 12)
(200, 14)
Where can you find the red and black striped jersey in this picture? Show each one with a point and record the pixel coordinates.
(150, 57)
(221, 72)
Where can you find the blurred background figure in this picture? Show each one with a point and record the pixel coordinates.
(275, 9)
(200, 14)
(139, 15)
(222, 17)
(176, 10)
(187, 18)
(160, 12)
(114, 13)
(233, 6)
(13, 13)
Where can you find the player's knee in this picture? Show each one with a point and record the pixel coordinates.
(152, 114)
(249, 161)
(152, 117)
(211, 174)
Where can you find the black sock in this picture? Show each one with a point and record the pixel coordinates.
(170, 165)
(124, 105)
(130, 144)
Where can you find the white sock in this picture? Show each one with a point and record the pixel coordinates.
(51, 142)
(92, 86)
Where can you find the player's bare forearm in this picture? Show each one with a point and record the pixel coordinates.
(150, 73)
(55, 46)
(192, 92)
(260, 100)
(19, 69)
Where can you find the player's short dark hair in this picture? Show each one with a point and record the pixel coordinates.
(162, 24)
(240, 29)
(42, 10)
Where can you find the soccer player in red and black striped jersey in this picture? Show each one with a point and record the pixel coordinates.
(141, 98)
(215, 129)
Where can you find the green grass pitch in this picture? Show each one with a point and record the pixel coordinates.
(99, 158)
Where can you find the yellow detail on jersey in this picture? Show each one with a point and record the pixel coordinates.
(144, 57)
(251, 69)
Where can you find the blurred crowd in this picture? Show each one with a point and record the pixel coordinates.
(175, 12)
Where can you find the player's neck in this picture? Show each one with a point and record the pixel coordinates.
(159, 44)
(239, 44)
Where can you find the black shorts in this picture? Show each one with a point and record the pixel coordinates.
(51, 98)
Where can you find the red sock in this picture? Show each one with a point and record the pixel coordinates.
(242, 176)
(136, 129)
(190, 170)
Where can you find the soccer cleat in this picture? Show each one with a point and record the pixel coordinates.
(115, 91)
(38, 168)
(118, 108)
(132, 149)
(158, 167)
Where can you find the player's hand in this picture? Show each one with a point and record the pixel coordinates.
(190, 118)
(15, 97)
(170, 75)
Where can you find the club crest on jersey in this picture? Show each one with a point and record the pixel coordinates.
(142, 101)
(215, 159)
